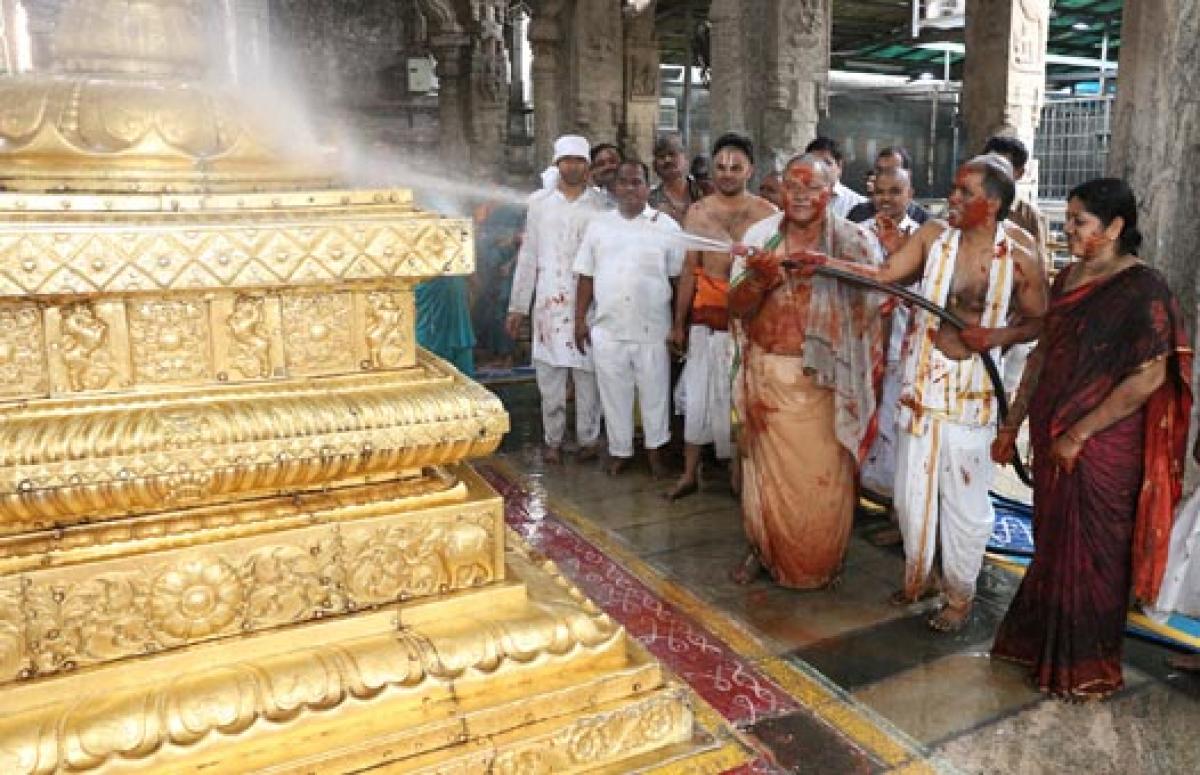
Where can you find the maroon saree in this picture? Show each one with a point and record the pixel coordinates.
(1104, 527)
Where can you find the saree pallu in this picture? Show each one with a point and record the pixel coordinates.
(1104, 527)
(798, 479)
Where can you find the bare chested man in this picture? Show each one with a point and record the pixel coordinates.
(702, 394)
(975, 268)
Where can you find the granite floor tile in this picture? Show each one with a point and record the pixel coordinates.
(800, 743)
(863, 657)
(793, 618)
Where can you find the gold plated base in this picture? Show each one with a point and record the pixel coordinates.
(523, 675)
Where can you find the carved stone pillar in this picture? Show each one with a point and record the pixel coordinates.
(732, 68)
(1156, 136)
(641, 84)
(597, 71)
(488, 93)
(450, 50)
(1004, 74)
(544, 38)
(770, 62)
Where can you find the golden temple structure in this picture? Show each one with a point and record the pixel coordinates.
(237, 532)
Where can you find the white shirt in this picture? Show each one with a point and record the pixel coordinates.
(632, 269)
(900, 316)
(844, 199)
(544, 277)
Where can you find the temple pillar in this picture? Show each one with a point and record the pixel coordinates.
(1156, 136)
(450, 50)
(770, 62)
(641, 84)
(544, 39)
(1004, 74)
(487, 98)
(597, 70)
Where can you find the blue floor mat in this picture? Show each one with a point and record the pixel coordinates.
(1011, 546)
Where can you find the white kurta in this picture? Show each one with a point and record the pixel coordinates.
(844, 199)
(879, 468)
(544, 277)
(631, 263)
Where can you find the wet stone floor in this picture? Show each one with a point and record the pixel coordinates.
(941, 693)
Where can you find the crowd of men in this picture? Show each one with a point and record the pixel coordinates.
(816, 389)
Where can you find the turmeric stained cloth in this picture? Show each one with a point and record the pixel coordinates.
(810, 352)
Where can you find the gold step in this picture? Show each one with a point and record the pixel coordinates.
(521, 673)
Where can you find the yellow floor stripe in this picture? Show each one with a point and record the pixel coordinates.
(841, 711)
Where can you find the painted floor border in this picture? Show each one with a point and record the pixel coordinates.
(859, 723)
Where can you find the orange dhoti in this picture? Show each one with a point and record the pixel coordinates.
(798, 494)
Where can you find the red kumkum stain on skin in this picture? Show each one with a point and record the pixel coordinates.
(975, 212)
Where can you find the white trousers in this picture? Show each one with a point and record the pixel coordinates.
(702, 394)
(879, 469)
(621, 369)
(552, 384)
(942, 503)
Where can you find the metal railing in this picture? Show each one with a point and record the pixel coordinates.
(1072, 143)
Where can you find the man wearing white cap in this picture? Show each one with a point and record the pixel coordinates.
(544, 278)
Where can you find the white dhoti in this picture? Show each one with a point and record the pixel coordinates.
(944, 467)
(702, 394)
(552, 385)
(878, 471)
(942, 482)
(1180, 590)
(625, 369)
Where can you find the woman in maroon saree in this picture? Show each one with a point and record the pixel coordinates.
(1108, 399)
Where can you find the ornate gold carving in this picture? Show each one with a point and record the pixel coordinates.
(99, 723)
(247, 327)
(604, 737)
(22, 353)
(316, 330)
(61, 619)
(88, 542)
(84, 348)
(170, 341)
(263, 439)
(388, 341)
(221, 244)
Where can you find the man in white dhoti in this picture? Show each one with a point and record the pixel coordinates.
(557, 219)
(973, 268)
(702, 394)
(626, 264)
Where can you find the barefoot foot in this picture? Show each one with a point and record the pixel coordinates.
(616, 465)
(950, 618)
(682, 489)
(747, 570)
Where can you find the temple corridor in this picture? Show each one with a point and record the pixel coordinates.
(830, 681)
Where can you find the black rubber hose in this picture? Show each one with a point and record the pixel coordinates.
(943, 314)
